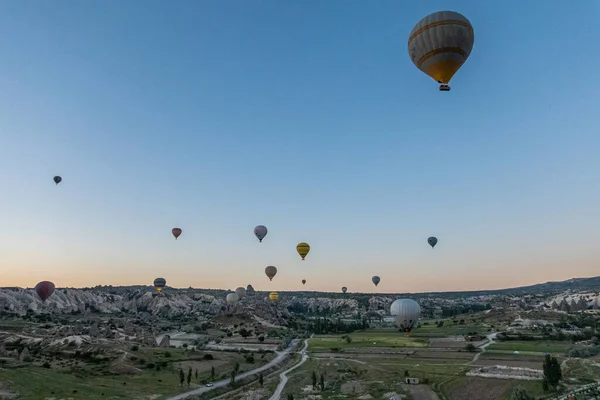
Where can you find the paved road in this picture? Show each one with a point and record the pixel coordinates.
(243, 375)
(283, 375)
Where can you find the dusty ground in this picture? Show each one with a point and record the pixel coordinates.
(480, 389)
(509, 363)
(421, 392)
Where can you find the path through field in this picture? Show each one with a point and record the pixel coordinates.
(283, 375)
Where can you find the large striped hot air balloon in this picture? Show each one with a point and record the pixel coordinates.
(407, 312)
(273, 296)
(303, 249)
(440, 43)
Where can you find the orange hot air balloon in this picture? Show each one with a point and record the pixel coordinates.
(270, 271)
(176, 232)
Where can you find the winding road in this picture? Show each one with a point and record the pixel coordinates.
(225, 382)
(491, 337)
(283, 375)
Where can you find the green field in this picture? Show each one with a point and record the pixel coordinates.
(153, 372)
(531, 346)
(374, 339)
(432, 331)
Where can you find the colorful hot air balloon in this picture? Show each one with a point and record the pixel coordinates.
(241, 292)
(303, 249)
(440, 43)
(159, 284)
(260, 231)
(344, 289)
(232, 299)
(407, 312)
(57, 179)
(376, 280)
(304, 281)
(273, 296)
(44, 289)
(176, 232)
(271, 271)
(432, 241)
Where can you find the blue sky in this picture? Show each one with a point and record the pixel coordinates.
(307, 117)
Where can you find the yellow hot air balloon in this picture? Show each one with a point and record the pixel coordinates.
(303, 249)
(440, 43)
(273, 296)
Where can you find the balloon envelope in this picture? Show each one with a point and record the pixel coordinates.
(160, 283)
(232, 298)
(260, 231)
(303, 281)
(57, 179)
(303, 249)
(440, 43)
(407, 312)
(344, 289)
(44, 289)
(273, 296)
(241, 292)
(270, 271)
(176, 232)
(432, 241)
(376, 280)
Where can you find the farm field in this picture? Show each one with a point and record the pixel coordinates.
(535, 346)
(372, 339)
(486, 389)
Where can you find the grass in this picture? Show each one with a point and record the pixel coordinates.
(91, 380)
(534, 346)
(364, 339)
(533, 387)
(449, 329)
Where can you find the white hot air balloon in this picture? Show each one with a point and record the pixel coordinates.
(232, 299)
(407, 312)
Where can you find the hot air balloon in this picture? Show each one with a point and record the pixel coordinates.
(304, 281)
(376, 280)
(344, 289)
(432, 241)
(303, 249)
(241, 292)
(407, 312)
(57, 179)
(232, 299)
(440, 43)
(176, 232)
(271, 271)
(273, 296)
(44, 289)
(159, 284)
(260, 231)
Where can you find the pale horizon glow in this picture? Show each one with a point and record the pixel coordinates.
(306, 117)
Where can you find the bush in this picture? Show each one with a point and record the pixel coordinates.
(208, 357)
(46, 364)
(135, 347)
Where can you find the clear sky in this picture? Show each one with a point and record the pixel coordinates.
(307, 117)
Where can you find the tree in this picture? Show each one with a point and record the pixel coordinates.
(348, 339)
(519, 393)
(232, 380)
(314, 379)
(470, 347)
(322, 382)
(196, 374)
(236, 367)
(189, 376)
(181, 377)
(212, 373)
(545, 387)
(260, 379)
(406, 373)
(290, 396)
(552, 371)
